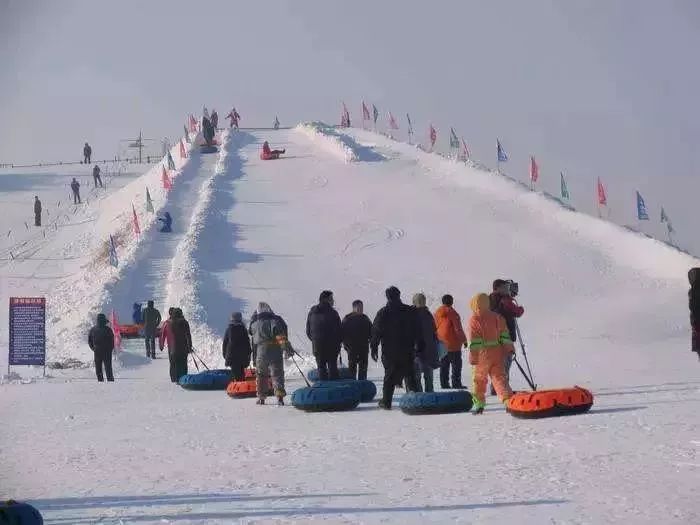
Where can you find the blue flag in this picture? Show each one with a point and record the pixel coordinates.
(454, 141)
(375, 113)
(502, 157)
(564, 188)
(113, 260)
(642, 214)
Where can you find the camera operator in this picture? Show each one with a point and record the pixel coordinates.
(502, 302)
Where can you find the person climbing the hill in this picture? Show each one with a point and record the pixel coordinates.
(396, 329)
(451, 335)
(234, 118)
(488, 342)
(167, 221)
(270, 340)
(151, 321)
(324, 330)
(357, 332)
(236, 347)
(87, 153)
(101, 342)
(502, 301)
(37, 211)
(96, 176)
(137, 314)
(214, 119)
(694, 305)
(426, 353)
(270, 154)
(75, 187)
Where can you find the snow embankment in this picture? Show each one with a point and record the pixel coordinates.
(341, 145)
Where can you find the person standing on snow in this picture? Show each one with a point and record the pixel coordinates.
(137, 314)
(236, 347)
(451, 335)
(503, 303)
(694, 305)
(357, 332)
(75, 187)
(214, 119)
(101, 342)
(427, 353)
(87, 153)
(324, 329)
(489, 341)
(233, 117)
(151, 320)
(395, 328)
(176, 331)
(270, 339)
(96, 176)
(37, 211)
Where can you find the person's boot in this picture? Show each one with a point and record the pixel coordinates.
(459, 386)
(384, 405)
(260, 401)
(280, 401)
(478, 411)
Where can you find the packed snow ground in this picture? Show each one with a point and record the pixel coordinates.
(605, 309)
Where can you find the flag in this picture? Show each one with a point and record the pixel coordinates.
(465, 150)
(564, 189)
(149, 202)
(167, 183)
(664, 217)
(602, 199)
(137, 228)
(375, 113)
(365, 111)
(534, 170)
(642, 214)
(433, 136)
(410, 124)
(669, 227)
(187, 135)
(113, 259)
(454, 141)
(392, 122)
(193, 124)
(116, 330)
(183, 153)
(502, 156)
(171, 162)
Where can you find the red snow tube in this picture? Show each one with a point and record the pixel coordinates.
(550, 403)
(130, 331)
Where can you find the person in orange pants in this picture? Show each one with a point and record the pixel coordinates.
(489, 343)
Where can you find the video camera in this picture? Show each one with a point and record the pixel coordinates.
(513, 287)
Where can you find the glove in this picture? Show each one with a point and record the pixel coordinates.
(375, 354)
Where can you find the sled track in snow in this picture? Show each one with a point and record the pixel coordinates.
(368, 236)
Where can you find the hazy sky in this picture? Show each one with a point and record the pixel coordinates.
(595, 88)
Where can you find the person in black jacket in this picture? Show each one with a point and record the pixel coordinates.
(357, 331)
(101, 342)
(87, 153)
(323, 328)
(182, 344)
(236, 347)
(427, 351)
(694, 306)
(37, 211)
(151, 320)
(396, 328)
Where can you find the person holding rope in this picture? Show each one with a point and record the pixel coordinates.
(502, 301)
(176, 331)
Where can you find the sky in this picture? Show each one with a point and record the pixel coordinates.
(604, 88)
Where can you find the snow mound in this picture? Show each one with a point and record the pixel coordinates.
(340, 144)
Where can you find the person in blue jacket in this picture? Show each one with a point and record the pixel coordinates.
(137, 315)
(167, 221)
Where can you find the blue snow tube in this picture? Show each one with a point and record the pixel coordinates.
(367, 388)
(436, 402)
(207, 380)
(332, 398)
(344, 373)
(13, 512)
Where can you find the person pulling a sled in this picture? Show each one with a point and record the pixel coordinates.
(694, 305)
(502, 301)
(270, 154)
(236, 347)
(176, 331)
(489, 342)
(270, 339)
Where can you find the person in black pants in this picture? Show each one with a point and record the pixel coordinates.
(396, 328)
(236, 347)
(151, 320)
(182, 345)
(87, 153)
(323, 328)
(37, 211)
(357, 331)
(101, 342)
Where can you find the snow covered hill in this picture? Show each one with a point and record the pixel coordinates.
(356, 212)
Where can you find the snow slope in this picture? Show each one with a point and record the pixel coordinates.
(605, 309)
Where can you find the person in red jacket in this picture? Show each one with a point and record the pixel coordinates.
(269, 154)
(451, 336)
(502, 301)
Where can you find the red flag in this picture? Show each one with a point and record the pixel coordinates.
(433, 136)
(365, 111)
(534, 170)
(137, 228)
(116, 330)
(392, 122)
(465, 150)
(183, 153)
(167, 184)
(602, 199)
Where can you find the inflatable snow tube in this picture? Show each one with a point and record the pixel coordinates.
(367, 388)
(247, 388)
(207, 380)
(326, 398)
(208, 149)
(550, 403)
(131, 331)
(344, 373)
(451, 402)
(16, 513)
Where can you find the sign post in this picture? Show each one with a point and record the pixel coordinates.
(27, 332)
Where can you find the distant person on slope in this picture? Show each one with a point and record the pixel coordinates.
(208, 131)
(489, 341)
(357, 332)
(270, 154)
(101, 342)
(214, 119)
(75, 187)
(37, 211)
(167, 221)
(270, 339)
(151, 320)
(694, 304)
(451, 335)
(96, 176)
(87, 153)
(427, 351)
(137, 314)
(502, 301)
(324, 330)
(236, 347)
(234, 118)
(176, 331)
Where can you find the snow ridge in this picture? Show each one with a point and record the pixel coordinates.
(340, 144)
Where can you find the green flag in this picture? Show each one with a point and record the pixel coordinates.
(149, 202)
(564, 189)
(454, 141)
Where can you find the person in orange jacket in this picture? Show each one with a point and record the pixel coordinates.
(489, 343)
(451, 336)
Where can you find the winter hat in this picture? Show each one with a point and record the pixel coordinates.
(419, 300)
(264, 307)
(498, 283)
(325, 296)
(102, 319)
(237, 317)
(150, 303)
(693, 276)
(392, 293)
(479, 303)
(171, 311)
(448, 300)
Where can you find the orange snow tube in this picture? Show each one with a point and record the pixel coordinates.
(550, 403)
(242, 389)
(129, 331)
